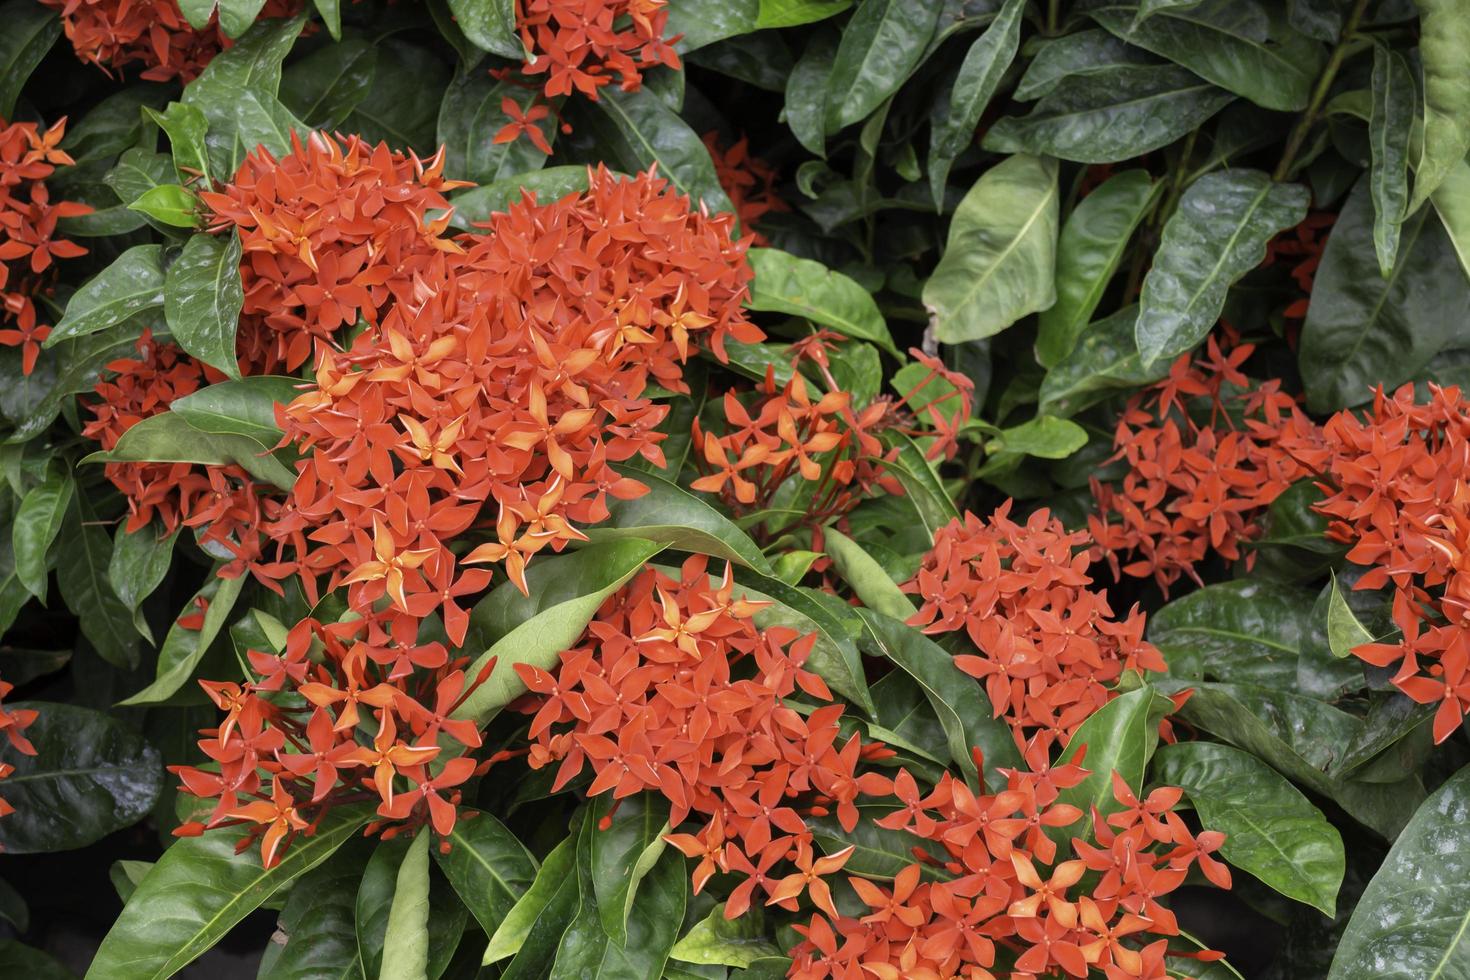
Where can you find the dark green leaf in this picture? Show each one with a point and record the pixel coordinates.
(130, 285)
(881, 46)
(1104, 361)
(169, 438)
(469, 119)
(487, 866)
(624, 854)
(90, 777)
(1218, 234)
(323, 88)
(202, 298)
(19, 665)
(1444, 36)
(637, 130)
(1089, 250)
(703, 22)
(556, 872)
(806, 92)
(999, 263)
(869, 582)
(1362, 329)
(1388, 136)
(1120, 738)
(82, 560)
(785, 283)
(1243, 631)
(30, 30)
(317, 922)
(921, 485)
(37, 523)
(877, 852)
(183, 648)
(404, 116)
(490, 25)
(1111, 116)
(246, 407)
(1271, 830)
(792, 13)
(1087, 52)
(20, 960)
(551, 184)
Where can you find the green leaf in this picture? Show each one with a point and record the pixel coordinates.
(1044, 437)
(670, 515)
(1388, 138)
(125, 876)
(318, 922)
(785, 283)
(30, 30)
(793, 13)
(1271, 830)
(1413, 920)
(139, 563)
(1120, 737)
(237, 94)
(869, 582)
(469, 119)
(184, 648)
(197, 892)
(1344, 631)
(557, 870)
(1111, 116)
(187, 130)
(1104, 361)
(246, 407)
(1218, 234)
(131, 284)
(20, 960)
(881, 46)
(957, 114)
(403, 116)
(1089, 52)
(323, 88)
(490, 25)
(566, 591)
(806, 92)
(1242, 631)
(1225, 42)
(89, 777)
(964, 712)
(1444, 37)
(1452, 203)
(538, 948)
(169, 204)
(703, 22)
(406, 938)
(624, 854)
(877, 852)
(37, 523)
(202, 298)
(169, 438)
(637, 130)
(1090, 247)
(488, 867)
(718, 941)
(331, 13)
(999, 263)
(1363, 330)
(82, 560)
(550, 184)
(198, 12)
(921, 485)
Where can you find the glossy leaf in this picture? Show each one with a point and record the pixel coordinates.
(1388, 137)
(324, 87)
(490, 25)
(877, 852)
(1271, 830)
(183, 648)
(317, 922)
(37, 523)
(1111, 116)
(131, 284)
(1243, 631)
(718, 941)
(1089, 52)
(806, 92)
(489, 868)
(30, 30)
(1104, 361)
(377, 894)
(406, 937)
(169, 438)
(1218, 234)
(881, 45)
(403, 116)
(90, 776)
(1344, 631)
(186, 128)
(1363, 330)
(1089, 249)
(637, 130)
(202, 298)
(246, 407)
(82, 560)
(785, 283)
(1119, 737)
(557, 870)
(566, 591)
(1444, 36)
(703, 22)
(169, 204)
(920, 484)
(792, 13)
(551, 184)
(1413, 921)
(1044, 437)
(469, 119)
(999, 262)
(624, 854)
(869, 582)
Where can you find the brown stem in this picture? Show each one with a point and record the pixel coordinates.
(1319, 94)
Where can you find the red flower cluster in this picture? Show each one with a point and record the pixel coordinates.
(977, 891)
(1302, 248)
(1398, 486)
(653, 699)
(780, 431)
(28, 240)
(369, 706)
(582, 44)
(153, 33)
(748, 181)
(1195, 482)
(1049, 646)
(14, 721)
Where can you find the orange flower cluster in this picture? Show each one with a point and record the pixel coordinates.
(650, 700)
(1195, 481)
(748, 181)
(780, 432)
(1302, 247)
(1049, 646)
(369, 706)
(1398, 487)
(987, 880)
(28, 230)
(153, 33)
(582, 44)
(14, 721)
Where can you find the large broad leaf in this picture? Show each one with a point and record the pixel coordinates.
(624, 854)
(876, 851)
(169, 438)
(1089, 249)
(197, 892)
(427, 898)
(786, 283)
(183, 648)
(1111, 116)
(1413, 921)
(869, 582)
(1243, 631)
(1271, 830)
(82, 561)
(30, 30)
(474, 206)
(237, 94)
(246, 407)
(490, 25)
(1452, 203)
(718, 941)
(406, 935)
(324, 87)
(403, 116)
(1120, 737)
(793, 13)
(186, 128)
(957, 113)
(967, 716)
(806, 92)
(558, 868)
(1103, 362)
(882, 44)
(317, 922)
(1225, 41)
(637, 130)
(1444, 37)
(131, 284)
(703, 22)
(37, 523)
(20, 960)
(1363, 330)
(90, 777)
(999, 262)
(1388, 138)
(921, 485)
(202, 297)
(469, 119)
(670, 515)
(488, 867)
(566, 591)
(1218, 234)
(1087, 52)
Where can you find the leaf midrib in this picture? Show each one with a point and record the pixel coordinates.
(1011, 246)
